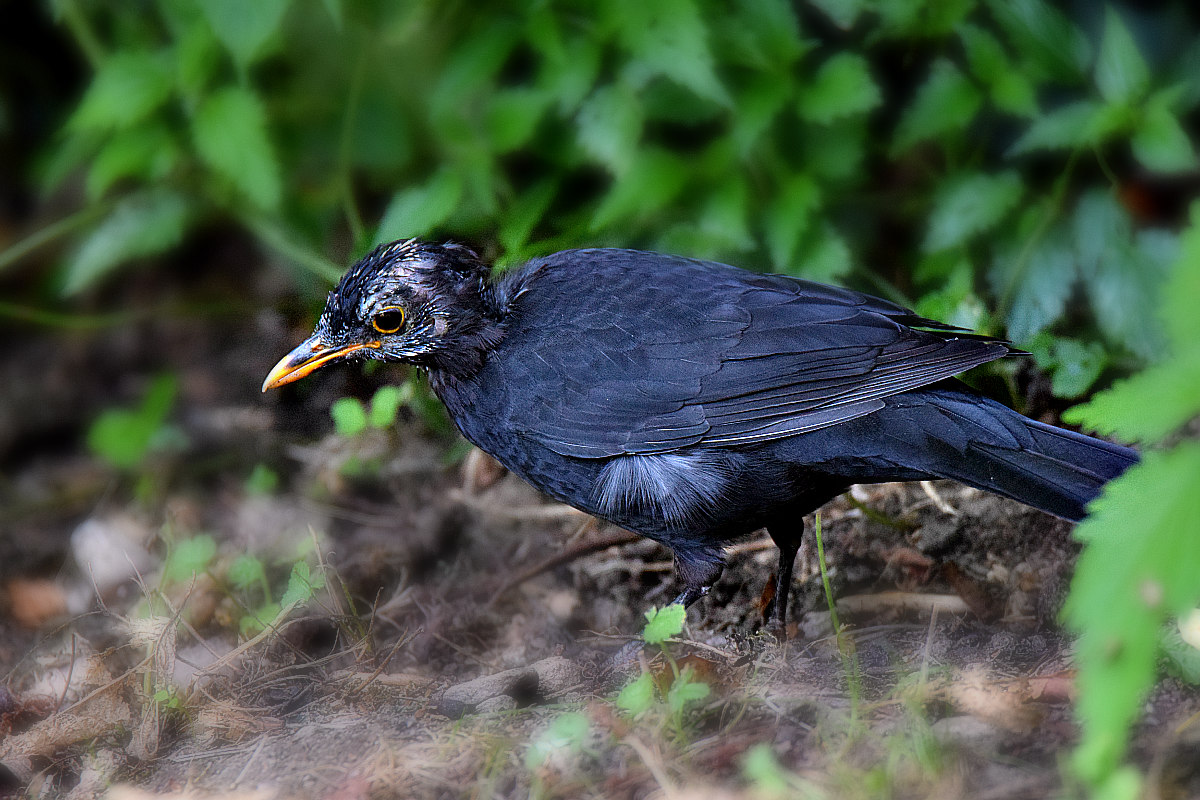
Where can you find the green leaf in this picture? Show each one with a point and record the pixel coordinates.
(637, 696)
(758, 105)
(568, 732)
(1011, 89)
(842, 87)
(653, 181)
(302, 586)
(522, 216)
(421, 209)
(512, 117)
(1121, 73)
(824, 256)
(763, 771)
(610, 126)
(1138, 570)
(1047, 275)
(1045, 38)
(763, 35)
(1159, 142)
(244, 27)
(230, 129)
(262, 480)
(1123, 275)
(969, 204)
(349, 416)
(140, 225)
(684, 690)
(124, 437)
(842, 13)
(1147, 407)
(386, 404)
(946, 102)
(146, 151)
(197, 56)
(663, 623)
(787, 217)
(246, 571)
(670, 38)
(189, 557)
(1073, 125)
(127, 88)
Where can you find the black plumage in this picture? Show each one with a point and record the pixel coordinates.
(694, 402)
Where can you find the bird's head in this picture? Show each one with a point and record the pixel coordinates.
(410, 301)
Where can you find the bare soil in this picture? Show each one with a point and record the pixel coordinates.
(463, 616)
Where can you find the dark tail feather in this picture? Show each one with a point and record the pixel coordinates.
(1056, 470)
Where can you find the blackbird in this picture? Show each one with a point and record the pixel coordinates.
(694, 402)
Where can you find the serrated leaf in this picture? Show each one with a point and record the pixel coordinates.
(1138, 569)
(637, 696)
(842, 87)
(654, 180)
(1122, 279)
(1045, 38)
(670, 38)
(969, 204)
(1121, 72)
(189, 557)
(764, 35)
(787, 217)
(610, 126)
(824, 256)
(512, 117)
(1064, 128)
(349, 416)
(417, 211)
(663, 623)
(230, 129)
(1158, 401)
(758, 105)
(723, 217)
(127, 87)
(945, 102)
(246, 571)
(520, 218)
(302, 586)
(1160, 142)
(842, 13)
(143, 224)
(1039, 292)
(244, 27)
(145, 151)
(1147, 407)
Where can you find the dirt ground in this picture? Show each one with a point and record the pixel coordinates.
(470, 638)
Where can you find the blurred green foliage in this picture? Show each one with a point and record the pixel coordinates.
(995, 147)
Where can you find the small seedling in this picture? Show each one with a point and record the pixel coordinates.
(124, 437)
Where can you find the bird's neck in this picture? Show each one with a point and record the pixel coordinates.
(472, 332)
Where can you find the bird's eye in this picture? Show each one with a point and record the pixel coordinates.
(389, 320)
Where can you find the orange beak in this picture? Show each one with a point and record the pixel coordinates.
(307, 357)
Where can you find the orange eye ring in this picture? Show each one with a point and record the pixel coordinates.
(388, 320)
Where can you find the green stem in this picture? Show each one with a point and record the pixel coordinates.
(49, 233)
(845, 649)
(279, 240)
(345, 139)
(89, 43)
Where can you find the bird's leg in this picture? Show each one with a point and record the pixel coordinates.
(789, 544)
